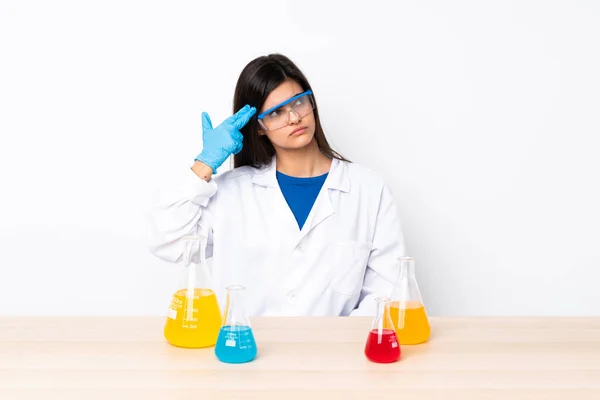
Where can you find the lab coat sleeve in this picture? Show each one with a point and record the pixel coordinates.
(382, 268)
(184, 207)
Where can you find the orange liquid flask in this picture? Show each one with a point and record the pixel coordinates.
(406, 308)
(194, 317)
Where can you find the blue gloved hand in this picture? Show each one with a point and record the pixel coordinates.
(224, 140)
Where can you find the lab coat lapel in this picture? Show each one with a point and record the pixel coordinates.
(337, 179)
(266, 176)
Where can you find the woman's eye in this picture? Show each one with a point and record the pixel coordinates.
(274, 113)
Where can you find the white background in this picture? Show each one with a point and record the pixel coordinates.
(482, 116)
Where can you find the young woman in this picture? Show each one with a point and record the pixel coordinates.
(304, 230)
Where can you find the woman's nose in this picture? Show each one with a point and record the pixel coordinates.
(294, 117)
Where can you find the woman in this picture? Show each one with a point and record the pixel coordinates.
(304, 230)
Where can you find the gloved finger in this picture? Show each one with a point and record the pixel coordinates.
(206, 123)
(244, 118)
(238, 147)
(241, 118)
(237, 136)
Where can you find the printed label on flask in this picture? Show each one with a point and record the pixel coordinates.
(172, 313)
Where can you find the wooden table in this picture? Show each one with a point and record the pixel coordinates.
(300, 358)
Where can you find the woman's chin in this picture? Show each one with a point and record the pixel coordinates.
(300, 144)
(297, 142)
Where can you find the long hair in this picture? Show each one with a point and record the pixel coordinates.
(259, 78)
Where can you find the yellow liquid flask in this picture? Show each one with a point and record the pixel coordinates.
(194, 317)
(406, 308)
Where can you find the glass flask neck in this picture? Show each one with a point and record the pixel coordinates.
(407, 267)
(234, 293)
(406, 288)
(234, 314)
(381, 303)
(194, 250)
(196, 272)
(382, 318)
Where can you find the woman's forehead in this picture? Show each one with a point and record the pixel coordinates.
(281, 93)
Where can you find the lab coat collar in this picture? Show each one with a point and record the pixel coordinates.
(337, 179)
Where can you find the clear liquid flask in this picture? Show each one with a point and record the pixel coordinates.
(406, 308)
(382, 344)
(236, 342)
(194, 317)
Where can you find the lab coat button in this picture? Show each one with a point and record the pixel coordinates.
(291, 295)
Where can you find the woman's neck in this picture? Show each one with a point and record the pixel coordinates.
(303, 163)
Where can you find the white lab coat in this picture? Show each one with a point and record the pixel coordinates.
(343, 258)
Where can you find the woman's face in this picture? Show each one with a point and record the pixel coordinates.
(300, 131)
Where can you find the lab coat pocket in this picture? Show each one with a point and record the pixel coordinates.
(349, 262)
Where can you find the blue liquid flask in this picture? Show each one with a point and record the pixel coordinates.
(235, 343)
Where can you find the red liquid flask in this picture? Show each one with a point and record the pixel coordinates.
(382, 343)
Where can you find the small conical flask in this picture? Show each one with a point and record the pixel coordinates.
(236, 342)
(382, 344)
(406, 308)
(194, 317)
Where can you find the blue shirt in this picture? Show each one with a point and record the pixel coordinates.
(300, 194)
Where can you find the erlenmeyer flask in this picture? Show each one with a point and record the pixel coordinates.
(406, 308)
(236, 342)
(382, 344)
(194, 317)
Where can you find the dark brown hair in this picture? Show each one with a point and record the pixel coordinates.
(259, 78)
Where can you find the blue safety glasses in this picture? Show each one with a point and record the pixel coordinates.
(279, 116)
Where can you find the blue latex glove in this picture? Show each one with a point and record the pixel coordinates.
(224, 140)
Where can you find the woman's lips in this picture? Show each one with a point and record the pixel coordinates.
(298, 131)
